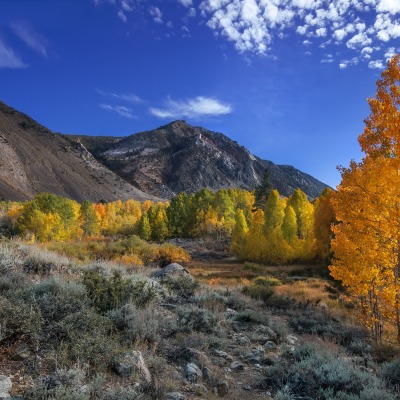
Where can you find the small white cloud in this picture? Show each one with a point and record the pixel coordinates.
(120, 110)
(347, 63)
(9, 59)
(130, 97)
(122, 16)
(377, 64)
(170, 24)
(30, 37)
(321, 32)
(307, 42)
(186, 3)
(193, 108)
(156, 13)
(390, 53)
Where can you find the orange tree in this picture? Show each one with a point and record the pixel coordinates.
(367, 205)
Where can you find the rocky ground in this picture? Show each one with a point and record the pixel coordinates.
(101, 332)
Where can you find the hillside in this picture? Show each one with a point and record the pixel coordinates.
(179, 157)
(33, 159)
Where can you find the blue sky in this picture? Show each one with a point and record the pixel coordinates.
(288, 79)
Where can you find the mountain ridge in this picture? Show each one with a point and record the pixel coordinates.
(34, 159)
(180, 157)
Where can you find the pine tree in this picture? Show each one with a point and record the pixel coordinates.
(263, 190)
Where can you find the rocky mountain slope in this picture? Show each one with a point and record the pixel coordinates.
(179, 157)
(33, 159)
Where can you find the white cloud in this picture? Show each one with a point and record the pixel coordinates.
(254, 25)
(377, 64)
(390, 53)
(129, 97)
(197, 107)
(156, 13)
(30, 37)
(391, 6)
(120, 110)
(347, 63)
(8, 58)
(186, 3)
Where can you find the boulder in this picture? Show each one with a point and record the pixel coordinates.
(132, 362)
(223, 388)
(5, 387)
(171, 269)
(175, 396)
(192, 372)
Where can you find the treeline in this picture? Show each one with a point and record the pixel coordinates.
(277, 230)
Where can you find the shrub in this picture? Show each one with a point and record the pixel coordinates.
(266, 281)
(193, 318)
(181, 285)
(258, 292)
(18, 319)
(109, 293)
(42, 263)
(250, 316)
(56, 299)
(10, 257)
(168, 253)
(135, 323)
(252, 267)
(391, 371)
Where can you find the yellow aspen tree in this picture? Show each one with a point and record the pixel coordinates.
(324, 217)
(274, 211)
(367, 238)
(239, 233)
(289, 225)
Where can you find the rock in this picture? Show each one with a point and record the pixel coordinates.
(192, 372)
(229, 313)
(220, 353)
(206, 373)
(5, 387)
(130, 363)
(21, 353)
(270, 345)
(222, 388)
(242, 339)
(198, 357)
(175, 396)
(171, 269)
(266, 330)
(247, 387)
(200, 389)
(237, 366)
(291, 339)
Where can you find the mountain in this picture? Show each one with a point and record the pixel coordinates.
(33, 159)
(179, 157)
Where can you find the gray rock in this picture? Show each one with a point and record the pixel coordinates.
(175, 396)
(223, 388)
(5, 387)
(192, 372)
(291, 339)
(21, 353)
(242, 339)
(270, 345)
(171, 269)
(206, 373)
(229, 313)
(132, 362)
(237, 366)
(200, 389)
(220, 353)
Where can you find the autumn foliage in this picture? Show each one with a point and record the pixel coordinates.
(367, 206)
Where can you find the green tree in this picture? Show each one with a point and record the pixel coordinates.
(239, 232)
(263, 190)
(88, 219)
(144, 228)
(289, 225)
